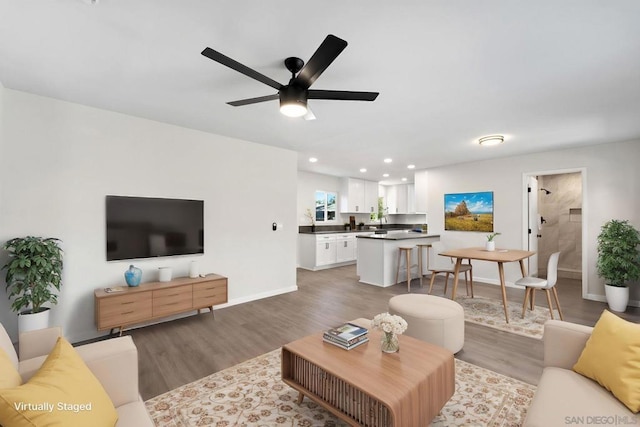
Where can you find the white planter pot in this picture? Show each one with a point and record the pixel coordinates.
(617, 297)
(491, 246)
(31, 322)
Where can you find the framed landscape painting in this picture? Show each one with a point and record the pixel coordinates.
(469, 211)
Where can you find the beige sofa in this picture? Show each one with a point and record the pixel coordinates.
(114, 362)
(565, 397)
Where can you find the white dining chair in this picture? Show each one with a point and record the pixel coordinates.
(440, 264)
(548, 284)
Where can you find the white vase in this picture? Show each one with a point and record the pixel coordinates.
(617, 297)
(491, 246)
(164, 274)
(193, 270)
(33, 321)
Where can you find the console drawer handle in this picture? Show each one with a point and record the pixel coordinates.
(128, 312)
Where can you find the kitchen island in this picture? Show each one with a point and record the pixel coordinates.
(377, 255)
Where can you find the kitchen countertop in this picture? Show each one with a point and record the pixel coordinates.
(399, 235)
(369, 230)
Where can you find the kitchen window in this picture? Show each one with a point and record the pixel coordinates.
(325, 206)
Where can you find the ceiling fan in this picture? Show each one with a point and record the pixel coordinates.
(294, 95)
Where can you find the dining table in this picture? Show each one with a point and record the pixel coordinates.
(499, 256)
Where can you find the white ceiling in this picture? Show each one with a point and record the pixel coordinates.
(546, 74)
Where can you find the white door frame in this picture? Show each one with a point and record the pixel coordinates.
(525, 216)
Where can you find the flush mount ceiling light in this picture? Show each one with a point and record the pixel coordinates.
(388, 160)
(385, 175)
(404, 179)
(363, 170)
(491, 140)
(411, 167)
(313, 159)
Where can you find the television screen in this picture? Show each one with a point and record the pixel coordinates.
(143, 227)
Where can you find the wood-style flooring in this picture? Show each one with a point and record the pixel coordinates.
(181, 351)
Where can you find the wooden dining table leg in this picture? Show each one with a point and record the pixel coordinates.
(504, 290)
(455, 277)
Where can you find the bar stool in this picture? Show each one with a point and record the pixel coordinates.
(421, 247)
(407, 250)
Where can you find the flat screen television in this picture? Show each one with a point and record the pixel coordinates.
(144, 227)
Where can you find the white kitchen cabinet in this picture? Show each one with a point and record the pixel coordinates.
(400, 199)
(320, 251)
(325, 250)
(371, 190)
(358, 196)
(345, 247)
(421, 190)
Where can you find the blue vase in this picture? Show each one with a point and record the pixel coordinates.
(133, 276)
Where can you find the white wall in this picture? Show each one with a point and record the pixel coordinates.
(307, 185)
(60, 160)
(612, 191)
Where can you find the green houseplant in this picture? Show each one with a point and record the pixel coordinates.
(491, 244)
(34, 271)
(618, 261)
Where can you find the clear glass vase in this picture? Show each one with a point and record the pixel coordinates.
(389, 342)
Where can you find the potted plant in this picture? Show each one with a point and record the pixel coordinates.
(34, 270)
(360, 225)
(491, 244)
(347, 226)
(618, 261)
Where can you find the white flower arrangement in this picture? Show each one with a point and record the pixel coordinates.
(310, 216)
(389, 323)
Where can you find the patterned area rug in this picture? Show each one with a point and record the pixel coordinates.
(489, 312)
(252, 394)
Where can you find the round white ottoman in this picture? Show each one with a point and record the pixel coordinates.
(432, 319)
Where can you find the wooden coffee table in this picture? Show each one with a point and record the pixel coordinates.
(365, 386)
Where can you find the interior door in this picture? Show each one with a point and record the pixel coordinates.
(534, 224)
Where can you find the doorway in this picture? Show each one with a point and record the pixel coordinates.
(555, 222)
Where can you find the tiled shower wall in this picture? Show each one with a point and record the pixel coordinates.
(562, 231)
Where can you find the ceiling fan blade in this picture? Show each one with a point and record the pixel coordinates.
(235, 65)
(342, 95)
(249, 101)
(328, 51)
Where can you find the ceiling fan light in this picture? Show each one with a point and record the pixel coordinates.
(293, 101)
(293, 109)
(491, 140)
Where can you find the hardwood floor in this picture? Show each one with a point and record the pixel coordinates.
(181, 351)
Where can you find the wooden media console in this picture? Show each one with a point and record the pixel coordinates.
(153, 300)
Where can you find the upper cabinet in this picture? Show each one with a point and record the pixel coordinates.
(421, 190)
(401, 199)
(358, 196)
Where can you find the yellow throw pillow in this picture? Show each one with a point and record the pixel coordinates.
(63, 392)
(612, 358)
(9, 377)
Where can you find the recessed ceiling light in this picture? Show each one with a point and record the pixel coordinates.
(387, 160)
(491, 140)
(313, 159)
(411, 167)
(363, 170)
(386, 175)
(404, 179)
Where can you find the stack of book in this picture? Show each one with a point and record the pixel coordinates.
(346, 336)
